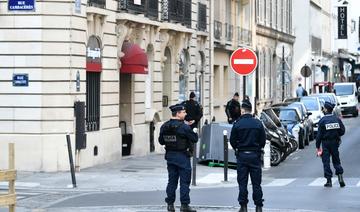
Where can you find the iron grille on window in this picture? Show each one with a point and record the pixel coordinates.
(92, 101)
(202, 17)
(217, 30)
(244, 35)
(177, 11)
(228, 32)
(148, 7)
(97, 3)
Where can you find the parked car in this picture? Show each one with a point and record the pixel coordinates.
(347, 96)
(330, 97)
(305, 118)
(314, 106)
(290, 119)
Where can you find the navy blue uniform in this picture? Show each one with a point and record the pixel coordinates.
(331, 129)
(193, 112)
(178, 139)
(247, 139)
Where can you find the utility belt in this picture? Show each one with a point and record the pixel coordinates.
(247, 151)
(188, 152)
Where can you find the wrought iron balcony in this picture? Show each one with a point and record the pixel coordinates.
(97, 3)
(228, 32)
(178, 11)
(244, 36)
(201, 17)
(217, 30)
(149, 8)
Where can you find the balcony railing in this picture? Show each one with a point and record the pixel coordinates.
(201, 17)
(178, 11)
(228, 32)
(149, 8)
(244, 36)
(217, 30)
(97, 3)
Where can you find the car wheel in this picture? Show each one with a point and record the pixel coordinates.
(356, 114)
(307, 140)
(301, 142)
(312, 136)
(294, 145)
(276, 156)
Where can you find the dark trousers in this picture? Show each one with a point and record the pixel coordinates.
(331, 148)
(178, 165)
(249, 163)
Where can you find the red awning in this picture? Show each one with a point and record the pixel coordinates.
(134, 61)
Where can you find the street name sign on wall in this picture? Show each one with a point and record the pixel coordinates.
(21, 5)
(20, 80)
(342, 22)
(243, 61)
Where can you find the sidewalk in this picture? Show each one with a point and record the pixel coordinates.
(129, 174)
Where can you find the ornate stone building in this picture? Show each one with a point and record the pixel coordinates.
(128, 60)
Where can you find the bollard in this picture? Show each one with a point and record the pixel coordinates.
(226, 156)
(73, 179)
(195, 130)
(267, 155)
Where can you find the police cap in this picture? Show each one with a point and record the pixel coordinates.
(329, 106)
(246, 104)
(177, 107)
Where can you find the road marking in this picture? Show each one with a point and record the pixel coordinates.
(22, 184)
(321, 181)
(243, 61)
(281, 182)
(214, 178)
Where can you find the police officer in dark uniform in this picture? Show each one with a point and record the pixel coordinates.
(232, 109)
(193, 111)
(178, 137)
(331, 129)
(248, 139)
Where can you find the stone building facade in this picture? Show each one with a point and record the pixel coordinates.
(128, 60)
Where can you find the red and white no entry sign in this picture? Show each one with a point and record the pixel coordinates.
(243, 61)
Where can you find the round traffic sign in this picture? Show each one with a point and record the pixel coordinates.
(243, 61)
(305, 71)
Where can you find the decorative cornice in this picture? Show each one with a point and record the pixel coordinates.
(276, 35)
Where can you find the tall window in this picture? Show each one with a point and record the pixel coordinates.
(92, 101)
(267, 12)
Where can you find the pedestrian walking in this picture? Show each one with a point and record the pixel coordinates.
(248, 139)
(193, 111)
(329, 135)
(178, 138)
(300, 91)
(232, 109)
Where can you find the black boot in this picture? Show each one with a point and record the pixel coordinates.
(243, 208)
(258, 209)
(186, 208)
(328, 183)
(171, 207)
(341, 180)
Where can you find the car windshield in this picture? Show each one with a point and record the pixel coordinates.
(288, 115)
(326, 98)
(302, 112)
(310, 103)
(342, 90)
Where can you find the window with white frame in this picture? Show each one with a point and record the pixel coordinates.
(261, 11)
(267, 12)
(278, 20)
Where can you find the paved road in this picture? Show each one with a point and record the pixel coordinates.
(295, 184)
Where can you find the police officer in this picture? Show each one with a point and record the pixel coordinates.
(193, 111)
(232, 109)
(178, 137)
(247, 139)
(331, 129)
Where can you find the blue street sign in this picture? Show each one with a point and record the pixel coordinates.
(22, 5)
(21, 80)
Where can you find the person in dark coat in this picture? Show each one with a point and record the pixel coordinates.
(329, 135)
(178, 138)
(193, 111)
(248, 139)
(232, 109)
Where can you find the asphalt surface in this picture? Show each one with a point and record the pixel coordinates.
(139, 183)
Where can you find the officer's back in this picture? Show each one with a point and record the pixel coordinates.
(249, 131)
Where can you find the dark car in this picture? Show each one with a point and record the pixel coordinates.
(304, 116)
